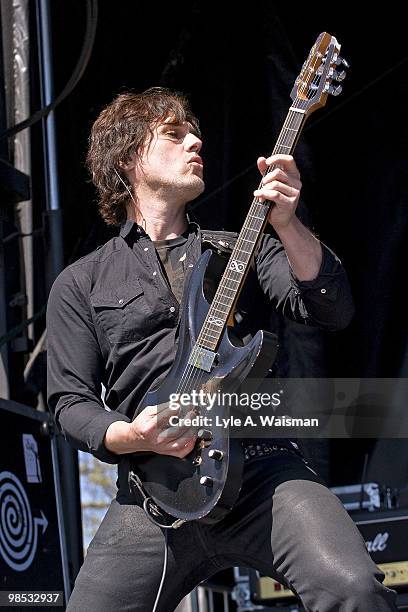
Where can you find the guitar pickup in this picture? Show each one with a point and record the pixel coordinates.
(202, 358)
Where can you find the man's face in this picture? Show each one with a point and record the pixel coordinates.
(170, 166)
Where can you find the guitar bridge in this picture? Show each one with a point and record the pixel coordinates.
(202, 358)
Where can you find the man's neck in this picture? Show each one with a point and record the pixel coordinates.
(159, 221)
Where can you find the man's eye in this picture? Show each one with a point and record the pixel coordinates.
(173, 134)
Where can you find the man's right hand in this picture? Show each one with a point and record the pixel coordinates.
(150, 431)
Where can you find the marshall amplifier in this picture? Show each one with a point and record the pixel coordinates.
(385, 533)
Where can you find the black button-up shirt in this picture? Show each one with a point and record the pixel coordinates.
(112, 325)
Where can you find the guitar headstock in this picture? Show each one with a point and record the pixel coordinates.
(319, 74)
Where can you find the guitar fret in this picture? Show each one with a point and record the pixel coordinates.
(227, 289)
(240, 252)
(218, 309)
(205, 333)
(252, 225)
(209, 345)
(219, 302)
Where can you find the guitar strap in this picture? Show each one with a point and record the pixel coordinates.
(244, 322)
(220, 241)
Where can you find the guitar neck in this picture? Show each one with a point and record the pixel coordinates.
(234, 276)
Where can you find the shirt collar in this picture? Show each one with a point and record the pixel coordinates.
(131, 226)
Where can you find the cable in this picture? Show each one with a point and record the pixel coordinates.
(166, 550)
(39, 347)
(152, 511)
(15, 235)
(15, 331)
(89, 39)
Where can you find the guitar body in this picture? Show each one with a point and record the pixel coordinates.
(174, 483)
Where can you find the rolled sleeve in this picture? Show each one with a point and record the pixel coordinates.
(324, 302)
(75, 371)
(327, 297)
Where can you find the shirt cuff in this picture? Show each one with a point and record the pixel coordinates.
(98, 427)
(330, 268)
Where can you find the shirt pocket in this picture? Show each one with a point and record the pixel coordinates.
(122, 313)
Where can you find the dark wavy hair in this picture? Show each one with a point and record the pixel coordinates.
(121, 129)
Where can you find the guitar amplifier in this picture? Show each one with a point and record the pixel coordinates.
(385, 533)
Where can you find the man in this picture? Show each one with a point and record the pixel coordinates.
(113, 320)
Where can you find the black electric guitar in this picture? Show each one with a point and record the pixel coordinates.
(205, 484)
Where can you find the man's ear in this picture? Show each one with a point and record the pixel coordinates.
(127, 166)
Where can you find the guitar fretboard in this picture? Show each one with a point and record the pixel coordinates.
(239, 262)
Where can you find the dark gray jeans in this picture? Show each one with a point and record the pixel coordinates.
(286, 523)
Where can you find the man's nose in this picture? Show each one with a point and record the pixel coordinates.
(193, 143)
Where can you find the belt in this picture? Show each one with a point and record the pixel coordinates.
(265, 449)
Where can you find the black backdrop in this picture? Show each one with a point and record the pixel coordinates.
(238, 64)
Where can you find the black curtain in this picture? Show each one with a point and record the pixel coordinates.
(238, 64)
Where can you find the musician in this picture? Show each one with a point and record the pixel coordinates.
(112, 322)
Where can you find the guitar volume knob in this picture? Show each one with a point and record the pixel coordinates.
(206, 481)
(205, 437)
(216, 454)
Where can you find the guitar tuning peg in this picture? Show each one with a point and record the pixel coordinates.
(341, 60)
(339, 76)
(335, 91)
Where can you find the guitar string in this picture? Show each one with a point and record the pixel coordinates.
(188, 377)
(244, 234)
(192, 375)
(250, 218)
(257, 206)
